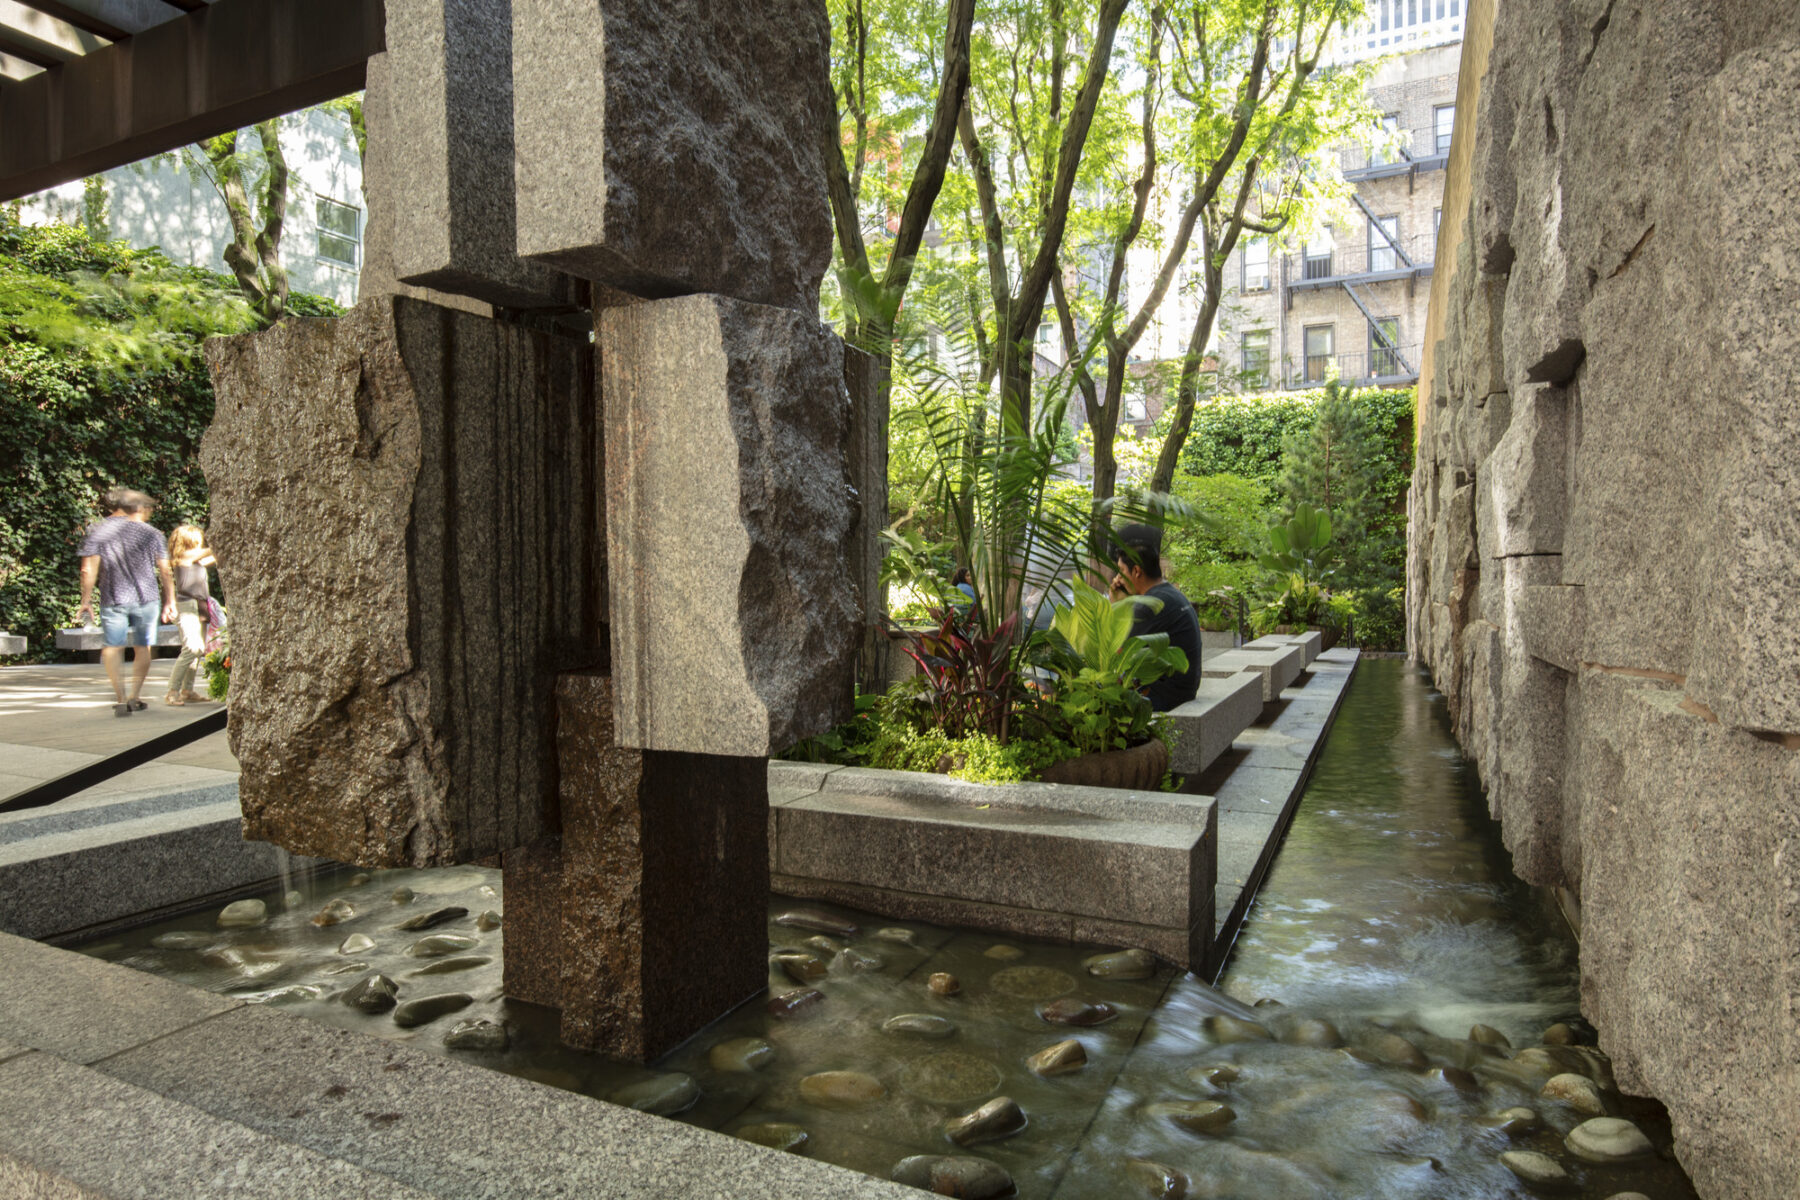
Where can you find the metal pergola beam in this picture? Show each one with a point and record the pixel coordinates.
(220, 67)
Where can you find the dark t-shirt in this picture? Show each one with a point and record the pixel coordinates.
(129, 551)
(1176, 619)
(190, 584)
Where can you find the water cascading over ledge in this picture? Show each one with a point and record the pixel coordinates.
(1605, 515)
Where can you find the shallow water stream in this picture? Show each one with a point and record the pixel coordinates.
(1389, 926)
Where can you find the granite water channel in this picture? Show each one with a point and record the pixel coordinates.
(1376, 1034)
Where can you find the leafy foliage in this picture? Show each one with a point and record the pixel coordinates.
(968, 672)
(1100, 665)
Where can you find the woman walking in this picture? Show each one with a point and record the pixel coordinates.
(188, 553)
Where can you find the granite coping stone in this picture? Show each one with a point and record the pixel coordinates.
(1207, 725)
(72, 1130)
(90, 637)
(1244, 839)
(84, 1010)
(13, 644)
(1279, 666)
(82, 811)
(1257, 790)
(1112, 804)
(456, 1130)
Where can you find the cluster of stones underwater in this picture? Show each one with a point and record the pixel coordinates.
(965, 1064)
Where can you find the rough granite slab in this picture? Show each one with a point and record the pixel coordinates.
(83, 1010)
(13, 644)
(71, 1130)
(1207, 725)
(728, 514)
(1116, 804)
(457, 1131)
(662, 181)
(1279, 666)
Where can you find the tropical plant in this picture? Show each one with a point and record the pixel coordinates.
(968, 672)
(1099, 666)
(1300, 545)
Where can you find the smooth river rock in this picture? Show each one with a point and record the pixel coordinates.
(375, 994)
(436, 917)
(1607, 1140)
(1320, 1034)
(1228, 1030)
(818, 922)
(999, 1118)
(1578, 1092)
(776, 1135)
(449, 966)
(334, 913)
(1487, 1035)
(242, 914)
(401, 895)
(1002, 952)
(829, 947)
(954, 1175)
(184, 939)
(742, 1055)
(920, 1025)
(477, 1034)
(1397, 1051)
(801, 968)
(897, 935)
(442, 943)
(791, 1006)
(1060, 1059)
(427, 1009)
(839, 1088)
(1513, 1122)
(1195, 1116)
(944, 984)
(1157, 1181)
(1070, 1011)
(356, 943)
(488, 921)
(660, 1096)
(857, 960)
(1122, 964)
(1538, 1171)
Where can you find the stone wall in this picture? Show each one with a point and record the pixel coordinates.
(1605, 514)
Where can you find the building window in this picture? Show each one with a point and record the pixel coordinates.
(1383, 153)
(1318, 255)
(1381, 251)
(1256, 265)
(1384, 346)
(1255, 348)
(1318, 352)
(1443, 124)
(340, 232)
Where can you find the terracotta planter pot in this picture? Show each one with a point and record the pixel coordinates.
(1140, 767)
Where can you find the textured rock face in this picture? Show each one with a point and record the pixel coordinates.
(1604, 573)
(390, 508)
(647, 919)
(439, 116)
(672, 146)
(729, 513)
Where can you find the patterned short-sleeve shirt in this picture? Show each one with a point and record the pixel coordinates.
(129, 551)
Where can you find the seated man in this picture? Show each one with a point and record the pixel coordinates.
(1137, 551)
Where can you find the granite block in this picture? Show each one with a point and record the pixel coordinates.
(394, 1110)
(12, 644)
(391, 511)
(728, 508)
(665, 182)
(1207, 725)
(83, 1010)
(70, 1130)
(1120, 804)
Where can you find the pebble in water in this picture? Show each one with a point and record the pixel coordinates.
(358, 879)
(1218, 1075)
(402, 895)
(841, 1088)
(856, 960)
(290, 994)
(449, 966)
(1069, 1011)
(373, 995)
(1456, 1078)
(1001, 952)
(356, 943)
(441, 943)
(1124, 964)
(434, 918)
(478, 1034)
(1578, 1092)
(776, 1135)
(488, 921)
(660, 1095)
(944, 984)
(801, 968)
(334, 913)
(1559, 1034)
(1487, 1035)
(999, 1118)
(427, 1009)
(488, 891)
(345, 968)
(1396, 1051)
(183, 939)
(922, 1025)
(901, 937)
(1195, 1116)
(252, 964)
(1228, 1030)
(813, 920)
(242, 914)
(954, 1175)
(1320, 1034)
(1033, 983)
(951, 1078)
(800, 1002)
(1059, 1059)
(742, 1055)
(1158, 1181)
(1538, 1171)
(1554, 1060)
(1513, 1121)
(293, 899)
(1607, 1140)
(824, 945)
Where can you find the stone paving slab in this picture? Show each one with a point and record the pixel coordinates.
(71, 1130)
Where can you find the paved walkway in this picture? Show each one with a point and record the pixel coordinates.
(56, 718)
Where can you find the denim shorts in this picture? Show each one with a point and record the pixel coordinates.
(130, 624)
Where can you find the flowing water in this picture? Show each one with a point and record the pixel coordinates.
(1389, 925)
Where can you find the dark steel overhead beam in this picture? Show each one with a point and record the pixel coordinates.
(31, 52)
(221, 67)
(84, 21)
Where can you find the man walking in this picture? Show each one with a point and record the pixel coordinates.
(1137, 552)
(127, 556)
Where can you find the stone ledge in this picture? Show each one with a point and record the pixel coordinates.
(1207, 725)
(13, 644)
(91, 638)
(1279, 666)
(1312, 642)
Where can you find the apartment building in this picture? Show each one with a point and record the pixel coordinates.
(1349, 300)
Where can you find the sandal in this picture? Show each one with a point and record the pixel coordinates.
(121, 710)
(173, 698)
(193, 697)
(136, 705)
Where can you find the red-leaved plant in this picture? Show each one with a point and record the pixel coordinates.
(967, 672)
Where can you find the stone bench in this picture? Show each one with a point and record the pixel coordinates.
(1278, 665)
(89, 637)
(1206, 725)
(1044, 860)
(13, 644)
(1312, 641)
